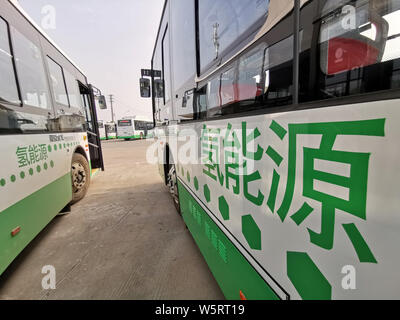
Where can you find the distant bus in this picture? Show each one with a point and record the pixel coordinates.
(49, 136)
(102, 130)
(133, 128)
(111, 131)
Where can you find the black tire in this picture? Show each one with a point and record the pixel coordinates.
(80, 177)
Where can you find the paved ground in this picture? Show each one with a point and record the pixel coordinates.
(123, 241)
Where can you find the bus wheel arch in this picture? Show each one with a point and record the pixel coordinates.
(81, 151)
(171, 178)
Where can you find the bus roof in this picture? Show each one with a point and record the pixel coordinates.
(37, 27)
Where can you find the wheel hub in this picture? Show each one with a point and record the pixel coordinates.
(172, 183)
(78, 176)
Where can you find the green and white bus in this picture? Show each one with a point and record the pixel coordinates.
(133, 128)
(292, 189)
(111, 130)
(107, 130)
(102, 130)
(49, 141)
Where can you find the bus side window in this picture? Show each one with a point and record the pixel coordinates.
(166, 67)
(224, 22)
(8, 83)
(358, 49)
(73, 90)
(228, 87)
(249, 84)
(57, 82)
(261, 78)
(278, 71)
(30, 70)
(214, 97)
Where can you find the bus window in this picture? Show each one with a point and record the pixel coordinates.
(138, 125)
(166, 67)
(184, 49)
(73, 90)
(57, 81)
(261, 78)
(278, 71)
(228, 92)
(225, 21)
(249, 84)
(158, 87)
(358, 47)
(31, 73)
(8, 84)
(214, 97)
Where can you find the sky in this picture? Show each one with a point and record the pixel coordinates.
(110, 40)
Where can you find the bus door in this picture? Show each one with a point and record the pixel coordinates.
(95, 150)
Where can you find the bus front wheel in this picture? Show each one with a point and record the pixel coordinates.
(80, 176)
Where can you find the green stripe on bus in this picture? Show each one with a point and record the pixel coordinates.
(229, 267)
(31, 214)
(130, 137)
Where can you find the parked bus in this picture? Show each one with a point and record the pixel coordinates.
(49, 137)
(111, 131)
(133, 128)
(295, 105)
(102, 130)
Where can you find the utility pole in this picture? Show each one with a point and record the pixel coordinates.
(112, 109)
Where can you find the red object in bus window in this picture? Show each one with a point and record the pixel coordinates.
(248, 91)
(348, 54)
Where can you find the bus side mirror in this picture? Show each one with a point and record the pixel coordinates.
(102, 102)
(145, 88)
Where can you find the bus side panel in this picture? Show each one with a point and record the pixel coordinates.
(230, 268)
(35, 185)
(31, 215)
(315, 194)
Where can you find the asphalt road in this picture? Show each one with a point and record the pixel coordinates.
(123, 241)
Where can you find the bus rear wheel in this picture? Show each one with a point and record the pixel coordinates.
(80, 176)
(173, 187)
